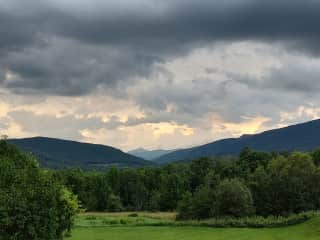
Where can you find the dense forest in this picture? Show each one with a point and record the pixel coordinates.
(256, 183)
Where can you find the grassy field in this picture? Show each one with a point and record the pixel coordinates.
(90, 227)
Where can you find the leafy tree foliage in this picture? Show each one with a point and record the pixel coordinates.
(185, 207)
(32, 205)
(287, 185)
(233, 198)
(199, 169)
(316, 157)
(228, 198)
(249, 160)
(203, 203)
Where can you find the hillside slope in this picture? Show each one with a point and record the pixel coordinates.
(300, 137)
(57, 153)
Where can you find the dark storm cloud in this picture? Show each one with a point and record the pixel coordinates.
(184, 22)
(68, 68)
(207, 21)
(66, 49)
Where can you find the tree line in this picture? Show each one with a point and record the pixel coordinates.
(255, 183)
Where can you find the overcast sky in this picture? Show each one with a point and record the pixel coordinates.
(157, 74)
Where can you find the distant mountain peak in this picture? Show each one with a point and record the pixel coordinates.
(149, 154)
(140, 149)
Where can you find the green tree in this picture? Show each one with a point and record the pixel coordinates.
(185, 210)
(262, 191)
(291, 183)
(32, 204)
(199, 169)
(316, 157)
(250, 160)
(172, 189)
(203, 203)
(288, 185)
(154, 201)
(233, 198)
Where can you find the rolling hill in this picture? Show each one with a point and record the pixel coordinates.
(57, 153)
(149, 154)
(300, 137)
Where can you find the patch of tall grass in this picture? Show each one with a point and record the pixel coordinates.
(142, 220)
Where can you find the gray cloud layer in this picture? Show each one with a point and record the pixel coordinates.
(74, 48)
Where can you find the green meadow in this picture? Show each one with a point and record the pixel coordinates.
(152, 227)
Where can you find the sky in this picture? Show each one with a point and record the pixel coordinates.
(157, 74)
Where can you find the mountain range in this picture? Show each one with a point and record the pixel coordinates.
(57, 153)
(300, 137)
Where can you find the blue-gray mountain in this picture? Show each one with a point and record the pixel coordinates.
(300, 137)
(57, 153)
(149, 154)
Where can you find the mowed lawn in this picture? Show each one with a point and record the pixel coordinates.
(309, 230)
